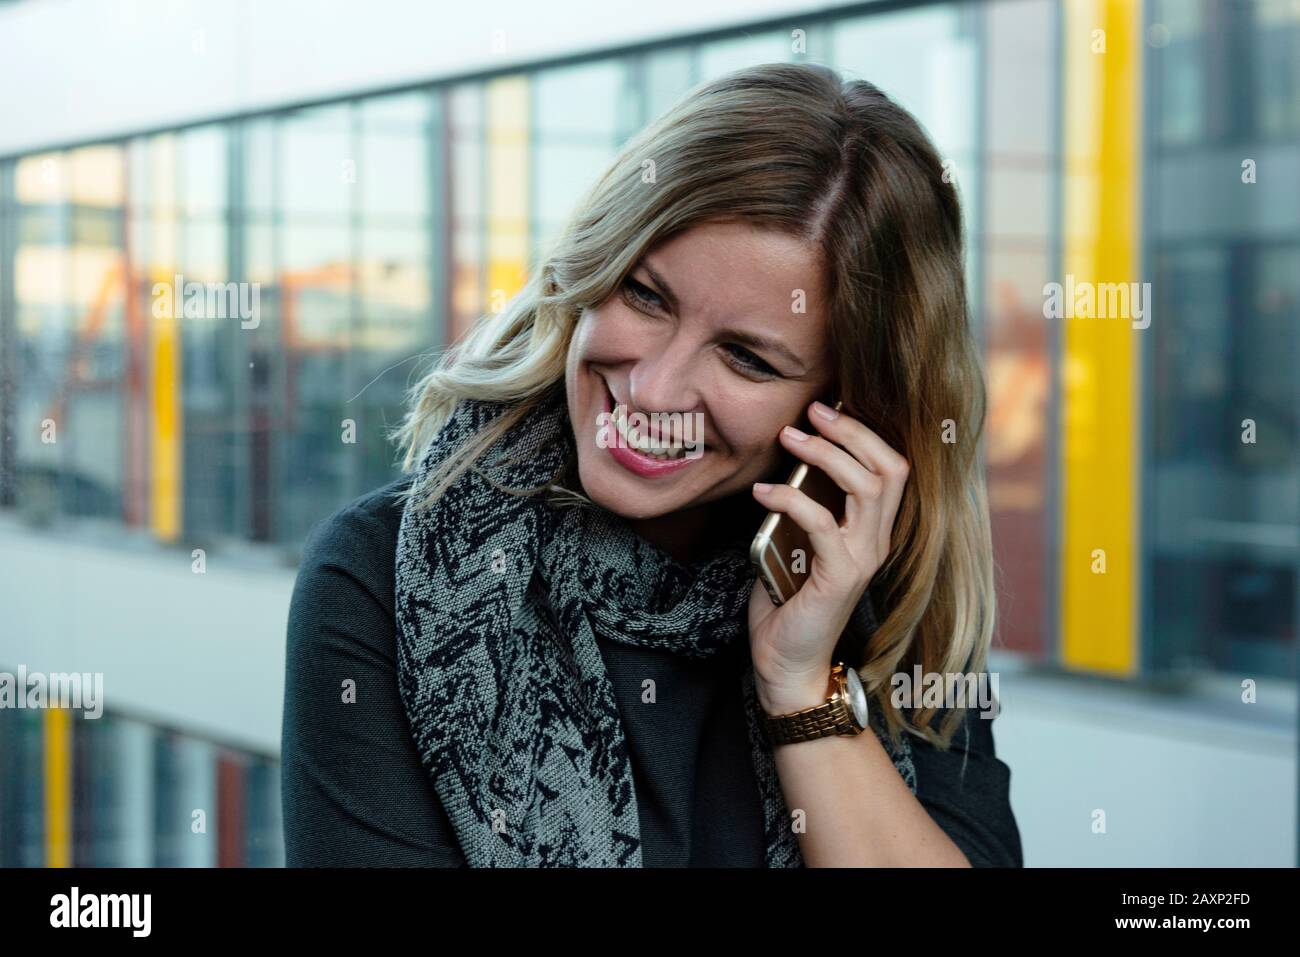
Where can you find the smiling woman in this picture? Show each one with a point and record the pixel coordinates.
(704, 322)
(569, 657)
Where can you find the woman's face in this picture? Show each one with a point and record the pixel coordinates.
(722, 324)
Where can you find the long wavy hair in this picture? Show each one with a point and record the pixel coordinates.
(797, 149)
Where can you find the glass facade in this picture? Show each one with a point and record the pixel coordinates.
(119, 792)
(375, 229)
(1223, 469)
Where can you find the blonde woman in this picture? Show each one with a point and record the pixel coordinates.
(546, 645)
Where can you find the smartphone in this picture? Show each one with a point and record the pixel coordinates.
(782, 551)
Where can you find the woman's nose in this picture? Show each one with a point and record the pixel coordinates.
(666, 381)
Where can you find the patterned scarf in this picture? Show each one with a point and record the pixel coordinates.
(500, 602)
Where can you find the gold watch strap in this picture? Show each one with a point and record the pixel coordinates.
(833, 716)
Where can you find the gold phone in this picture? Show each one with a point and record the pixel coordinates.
(782, 550)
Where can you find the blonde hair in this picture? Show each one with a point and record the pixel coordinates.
(792, 148)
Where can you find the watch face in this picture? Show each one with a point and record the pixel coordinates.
(857, 696)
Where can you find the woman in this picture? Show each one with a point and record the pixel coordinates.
(547, 646)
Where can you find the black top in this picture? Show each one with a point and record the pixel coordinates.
(355, 793)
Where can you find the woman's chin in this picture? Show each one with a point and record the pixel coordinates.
(629, 503)
(618, 491)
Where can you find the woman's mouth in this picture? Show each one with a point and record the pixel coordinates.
(638, 453)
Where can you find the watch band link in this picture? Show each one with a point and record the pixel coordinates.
(819, 721)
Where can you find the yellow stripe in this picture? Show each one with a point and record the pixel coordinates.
(507, 188)
(165, 435)
(1100, 390)
(165, 356)
(58, 788)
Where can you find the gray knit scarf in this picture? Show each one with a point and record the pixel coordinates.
(500, 602)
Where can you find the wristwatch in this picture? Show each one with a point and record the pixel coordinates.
(843, 712)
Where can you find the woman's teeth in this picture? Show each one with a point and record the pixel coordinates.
(632, 436)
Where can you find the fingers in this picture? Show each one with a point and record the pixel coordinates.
(845, 470)
(862, 488)
(824, 533)
(874, 453)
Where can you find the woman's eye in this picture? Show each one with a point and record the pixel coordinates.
(643, 294)
(751, 362)
(646, 298)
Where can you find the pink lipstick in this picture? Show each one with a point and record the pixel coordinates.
(646, 466)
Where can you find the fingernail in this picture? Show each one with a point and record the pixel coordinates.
(794, 433)
(825, 411)
(762, 486)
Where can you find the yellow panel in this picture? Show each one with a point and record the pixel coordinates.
(58, 788)
(165, 435)
(1099, 374)
(164, 352)
(507, 188)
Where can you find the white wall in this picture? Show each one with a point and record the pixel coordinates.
(202, 652)
(94, 68)
(206, 653)
(1183, 782)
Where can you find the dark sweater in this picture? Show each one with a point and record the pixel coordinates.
(354, 791)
